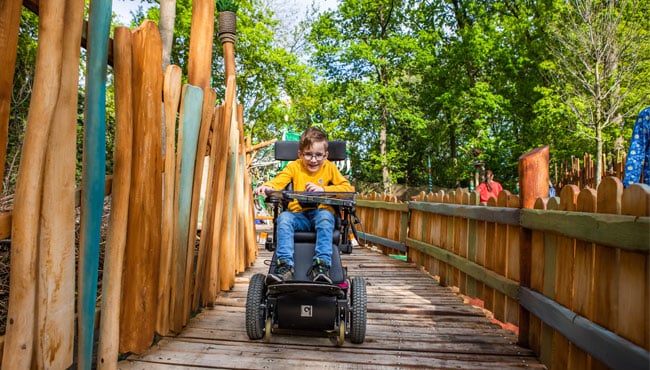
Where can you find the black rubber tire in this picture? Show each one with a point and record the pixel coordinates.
(255, 316)
(358, 307)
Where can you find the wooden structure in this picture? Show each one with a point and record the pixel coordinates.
(573, 274)
(413, 322)
(159, 269)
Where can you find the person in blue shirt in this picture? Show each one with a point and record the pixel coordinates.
(637, 164)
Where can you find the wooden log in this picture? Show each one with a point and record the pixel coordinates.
(188, 136)
(171, 96)
(209, 98)
(199, 68)
(9, 26)
(533, 176)
(109, 331)
(93, 172)
(226, 245)
(533, 181)
(142, 254)
(56, 254)
(21, 316)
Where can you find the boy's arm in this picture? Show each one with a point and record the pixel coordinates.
(339, 183)
(281, 180)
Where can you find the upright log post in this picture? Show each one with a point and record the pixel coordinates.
(9, 26)
(201, 35)
(533, 180)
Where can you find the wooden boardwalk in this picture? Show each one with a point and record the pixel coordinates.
(412, 323)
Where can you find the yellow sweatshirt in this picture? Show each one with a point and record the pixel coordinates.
(328, 176)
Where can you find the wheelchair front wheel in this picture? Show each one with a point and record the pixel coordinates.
(255, 307)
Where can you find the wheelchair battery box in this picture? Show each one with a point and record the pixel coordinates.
(306, 312)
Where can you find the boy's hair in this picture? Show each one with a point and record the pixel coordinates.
(312, 135)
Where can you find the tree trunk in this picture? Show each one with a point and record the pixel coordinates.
(599, 156)
(166, 28)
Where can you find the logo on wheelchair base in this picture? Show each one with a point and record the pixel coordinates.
(306, 311)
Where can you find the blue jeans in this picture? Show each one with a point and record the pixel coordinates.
(320, 220)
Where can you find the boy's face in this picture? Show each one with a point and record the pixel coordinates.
(314, 156)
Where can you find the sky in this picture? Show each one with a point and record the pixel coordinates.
(123, 8)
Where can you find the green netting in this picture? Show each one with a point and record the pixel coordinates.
(291, 136)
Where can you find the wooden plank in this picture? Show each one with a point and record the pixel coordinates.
(203, 284)
(490, 278)
(501, 258)
(188, 136)
(142, 253)
(172, 96)
(207, 108)
(108, 349)
(93, 172)
(491, 214)
(21, 316)
(583, 279)
(615, 230)
(564, 272)
(513, 269)
(418, 328)
(634, 279)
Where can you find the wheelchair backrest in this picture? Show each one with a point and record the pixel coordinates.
(288, 150)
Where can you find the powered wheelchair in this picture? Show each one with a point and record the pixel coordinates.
(301, 306)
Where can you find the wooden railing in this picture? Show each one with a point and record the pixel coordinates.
(572, 274)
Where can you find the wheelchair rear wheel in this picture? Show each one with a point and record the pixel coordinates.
(358, 310)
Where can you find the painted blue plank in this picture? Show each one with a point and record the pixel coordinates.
(94, 168)
(191, 121)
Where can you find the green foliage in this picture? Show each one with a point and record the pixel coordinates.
(227, 6)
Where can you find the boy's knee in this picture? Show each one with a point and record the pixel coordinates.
(325, 217)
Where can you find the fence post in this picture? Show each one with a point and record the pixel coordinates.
(533, 180)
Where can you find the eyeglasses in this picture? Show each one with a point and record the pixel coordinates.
(309, 156)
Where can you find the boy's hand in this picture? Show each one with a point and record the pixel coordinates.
(262, 190)
(310, 186)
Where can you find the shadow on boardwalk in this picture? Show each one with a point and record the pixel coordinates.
(412, 322)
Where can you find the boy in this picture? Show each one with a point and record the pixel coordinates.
(312, 172)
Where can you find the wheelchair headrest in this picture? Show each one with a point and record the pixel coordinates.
(288, 150)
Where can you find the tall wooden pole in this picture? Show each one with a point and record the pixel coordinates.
(199, 67)
(533, 180)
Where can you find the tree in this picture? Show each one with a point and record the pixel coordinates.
(265, 71)
(166, 27)
(363, 49)
(600, 50)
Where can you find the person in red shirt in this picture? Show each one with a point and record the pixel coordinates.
(489, 188)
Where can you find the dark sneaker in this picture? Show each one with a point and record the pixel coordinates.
(320, 272)
(283, 272)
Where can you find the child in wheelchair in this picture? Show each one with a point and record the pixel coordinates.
(311, 172)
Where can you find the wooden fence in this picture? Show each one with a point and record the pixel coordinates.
(582, 173)
(158, 267)
(573, 274)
